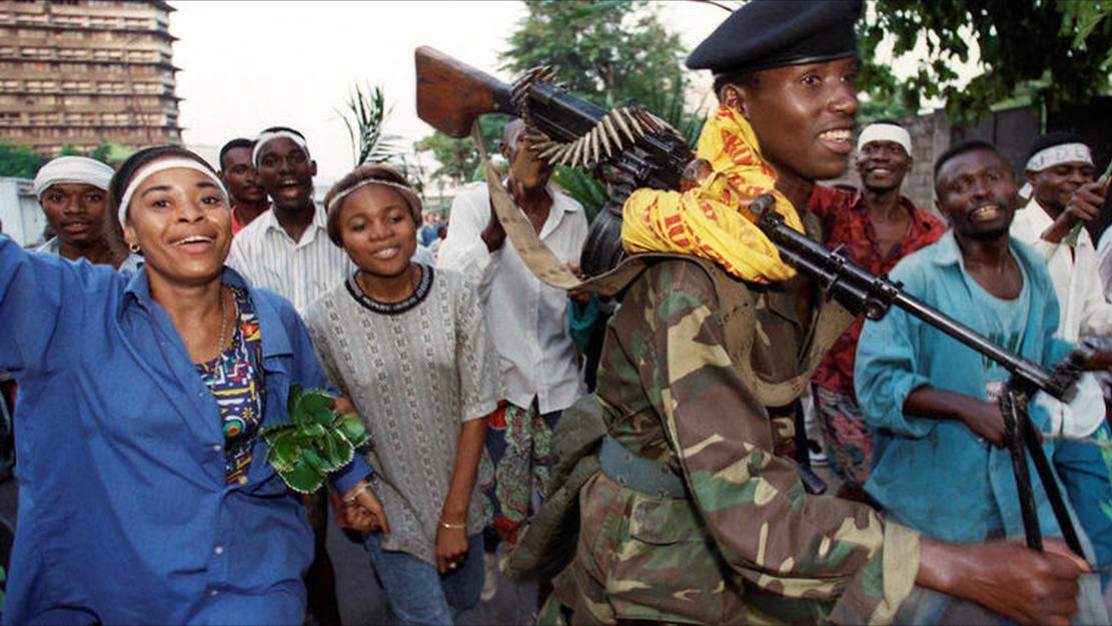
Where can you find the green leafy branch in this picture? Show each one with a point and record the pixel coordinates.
(316, 440)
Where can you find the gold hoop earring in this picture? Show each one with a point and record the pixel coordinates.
(134, 247)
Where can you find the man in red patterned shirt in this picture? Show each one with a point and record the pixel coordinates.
(878, 227)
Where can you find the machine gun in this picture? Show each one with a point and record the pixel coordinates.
(646, 152)
(862, 292)
(640, 148)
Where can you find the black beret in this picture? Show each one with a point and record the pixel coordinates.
(773, 33)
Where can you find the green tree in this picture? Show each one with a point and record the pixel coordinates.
(1061, 51)
(19, 161)
(607, 52)
(459, 158)
(112, 153)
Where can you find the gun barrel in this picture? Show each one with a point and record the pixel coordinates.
(1027, 372)
(861, 291)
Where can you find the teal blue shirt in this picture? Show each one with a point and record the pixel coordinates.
(936, 476)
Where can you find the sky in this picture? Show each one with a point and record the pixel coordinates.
(249, 65)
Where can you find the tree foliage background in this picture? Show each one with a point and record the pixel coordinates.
(20, 161)
(608, 56)
(1043, 52)
(606, 52)
(459, 158)
(1053, 51)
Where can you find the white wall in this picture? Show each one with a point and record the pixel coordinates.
(20, 212)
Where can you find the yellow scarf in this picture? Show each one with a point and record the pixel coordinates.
(712, 220)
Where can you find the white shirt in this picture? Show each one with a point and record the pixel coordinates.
(299, 271)
(1077, 284)
(1082, 310)
(131, 264)
(1104, 262)
(527, 319)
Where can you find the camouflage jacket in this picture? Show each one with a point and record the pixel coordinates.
(748, 544)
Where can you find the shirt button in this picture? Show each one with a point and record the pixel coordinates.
(218, 550)
(217, 447)
(214, 592)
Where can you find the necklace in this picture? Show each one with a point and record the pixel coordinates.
(223, 322)
(422, 282)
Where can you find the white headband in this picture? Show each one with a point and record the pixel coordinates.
(335, 202)
(265, 138)
(1056, 155)
(72, 170)
(885, 132)
(159, 166)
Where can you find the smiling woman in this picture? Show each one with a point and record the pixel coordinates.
(141, 399)
(409, 343)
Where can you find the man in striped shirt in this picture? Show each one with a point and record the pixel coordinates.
(287, 249)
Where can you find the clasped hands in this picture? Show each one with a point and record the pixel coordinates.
(362, 510)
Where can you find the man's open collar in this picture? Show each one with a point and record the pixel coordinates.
(320, 219)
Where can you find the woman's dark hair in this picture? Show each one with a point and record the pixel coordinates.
(373, 171)
(136, 161)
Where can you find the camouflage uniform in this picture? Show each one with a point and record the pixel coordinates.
(747, 544)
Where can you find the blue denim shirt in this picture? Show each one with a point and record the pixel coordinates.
(934, 475)
(124, 514)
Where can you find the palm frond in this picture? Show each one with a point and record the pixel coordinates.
(365, 120)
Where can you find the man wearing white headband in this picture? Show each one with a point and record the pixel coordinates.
(1063, 198)
(73, 193)
(287, 250)
(877, 226)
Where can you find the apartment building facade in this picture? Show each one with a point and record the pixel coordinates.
(82, 72)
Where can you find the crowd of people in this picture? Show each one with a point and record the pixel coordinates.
(147, 347)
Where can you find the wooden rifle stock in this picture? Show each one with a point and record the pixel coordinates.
(451, 94)
(639, 149)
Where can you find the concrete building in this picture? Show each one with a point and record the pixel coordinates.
(82, 72)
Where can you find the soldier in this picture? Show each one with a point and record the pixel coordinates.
(694, 516)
